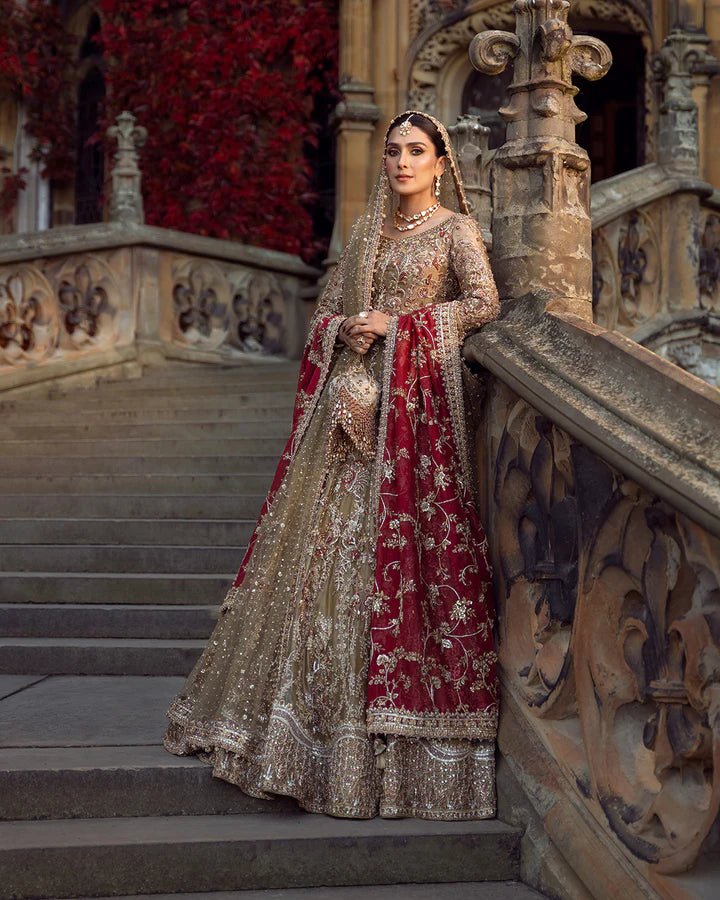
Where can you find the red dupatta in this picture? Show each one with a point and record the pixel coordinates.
(432, 667)
(433, 661)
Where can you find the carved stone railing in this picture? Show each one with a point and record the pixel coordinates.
(90, 297)
(599, 475)
(646, 246)
(655, 242)
(600, 471)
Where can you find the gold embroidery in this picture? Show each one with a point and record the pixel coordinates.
(277, 701)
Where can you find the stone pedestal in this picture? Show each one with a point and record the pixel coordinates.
(541, 194)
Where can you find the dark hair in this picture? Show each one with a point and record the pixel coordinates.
(430, 129)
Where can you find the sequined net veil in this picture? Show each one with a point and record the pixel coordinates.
(352, 665)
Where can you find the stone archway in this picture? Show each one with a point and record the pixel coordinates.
(437, 67)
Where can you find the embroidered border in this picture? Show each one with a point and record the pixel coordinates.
(387, 362)
(481, 725)
(328, 344)
(452, 376)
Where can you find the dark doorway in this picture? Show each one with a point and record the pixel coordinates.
(613, 133)
(90, 167)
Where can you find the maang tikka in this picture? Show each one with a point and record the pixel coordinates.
(404, 127)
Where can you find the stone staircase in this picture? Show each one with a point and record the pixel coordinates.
(124, 513)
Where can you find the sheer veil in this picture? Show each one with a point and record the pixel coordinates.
(365, 236)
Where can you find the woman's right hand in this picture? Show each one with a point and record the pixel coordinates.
(359, 343)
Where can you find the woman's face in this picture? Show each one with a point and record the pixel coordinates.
(411, 162)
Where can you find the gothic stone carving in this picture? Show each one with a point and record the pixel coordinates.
(610, 620)
(126, 203)
(89, 298)
(709, 275)
(238, 310)
(29, 321)
(627, 270)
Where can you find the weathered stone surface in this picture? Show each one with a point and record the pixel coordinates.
(541, 177)
(602, 465)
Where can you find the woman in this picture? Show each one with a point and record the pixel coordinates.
(352, 666)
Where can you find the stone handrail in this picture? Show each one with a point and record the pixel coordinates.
(656, 264)
(600, 473)
(92, 297)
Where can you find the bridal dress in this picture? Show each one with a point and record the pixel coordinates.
(352, 665)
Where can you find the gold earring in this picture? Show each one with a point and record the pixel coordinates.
(437, 186)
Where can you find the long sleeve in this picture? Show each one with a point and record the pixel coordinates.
(478, 302)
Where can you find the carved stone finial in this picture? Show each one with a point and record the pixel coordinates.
(470, 141)
(126, 203)
(546, 54)
(682, 59)
(541, 184)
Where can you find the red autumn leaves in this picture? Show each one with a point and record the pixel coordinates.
(226, 91)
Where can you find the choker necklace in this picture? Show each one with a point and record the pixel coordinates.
(416, 219)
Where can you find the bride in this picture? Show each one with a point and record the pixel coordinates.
(352, 665)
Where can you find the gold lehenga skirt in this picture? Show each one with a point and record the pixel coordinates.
(276, 702)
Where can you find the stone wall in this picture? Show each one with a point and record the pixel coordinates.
(85, 298)
(600, 472)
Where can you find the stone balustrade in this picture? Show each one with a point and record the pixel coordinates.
(599, 467)
(92, 297)
(599, 482)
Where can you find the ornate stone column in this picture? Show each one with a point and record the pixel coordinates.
(541, 177)
(470, 142)
(126, 204)
(355, 118)
(683, 58)
(683, 68)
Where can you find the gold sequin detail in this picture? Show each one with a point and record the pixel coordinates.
(277, 701)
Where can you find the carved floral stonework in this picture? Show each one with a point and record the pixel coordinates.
(29, 321)
(258, 306)
(201, 299)
(89, 297)
(627, 271)
(240, 309)
(610, 631)
(709, 274)
(53, 308)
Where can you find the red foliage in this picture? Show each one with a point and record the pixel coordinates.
(36, 54)
(225, 89)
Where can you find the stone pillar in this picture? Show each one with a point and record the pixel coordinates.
(355, 118)
(470, 142)
(684, 68)
(541, 177)
(681, 62)
(126, 203)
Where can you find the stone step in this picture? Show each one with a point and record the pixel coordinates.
(108, 620)
(468, 890)
(97, 656)
(81, 465)
(119, 416)
(133, 855)
(97, 782)
(58, 558)
(118, 587)
(167, 532)
(186, 446)
(143, 505)
(255, 427)
(229, 483)
(224, 396)
(191, 383)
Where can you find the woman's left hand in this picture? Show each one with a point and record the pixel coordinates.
(374, 325)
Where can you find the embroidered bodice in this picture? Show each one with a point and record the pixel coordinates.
(446, 263)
